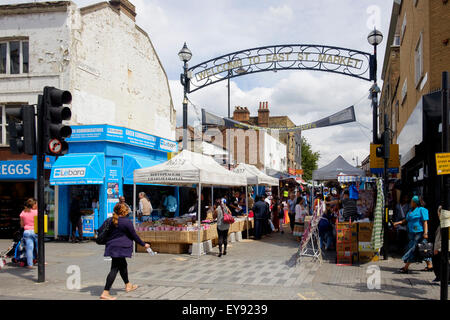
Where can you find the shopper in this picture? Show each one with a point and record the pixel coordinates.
(234, 204)
(122, 201)
(438, 252)
(145, 207)
(417, 221)
(401, 209)
(75, 219)
(326, 229)
(222, 228)
(300, 212)
(27, 223)
(350, 209)
(291, 203)
(281, 217)
(119, 246)
(275, 214)
(260, 212)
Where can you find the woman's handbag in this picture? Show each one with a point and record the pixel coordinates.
(103, 232)
(425, 250)
(227, 217)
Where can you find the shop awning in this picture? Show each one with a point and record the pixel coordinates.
(131, 163)
(76, 169)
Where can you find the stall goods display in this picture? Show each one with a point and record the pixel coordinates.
(365, 203)
(172, 248)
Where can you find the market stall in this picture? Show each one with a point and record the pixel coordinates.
(254, 177)
(192, 170)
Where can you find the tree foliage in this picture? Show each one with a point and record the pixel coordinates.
(310, 160)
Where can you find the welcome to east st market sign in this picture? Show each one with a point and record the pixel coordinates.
(283, 57)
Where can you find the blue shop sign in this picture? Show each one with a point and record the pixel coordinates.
(121, 135)
(18, 170)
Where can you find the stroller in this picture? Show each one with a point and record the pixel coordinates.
(17, 251)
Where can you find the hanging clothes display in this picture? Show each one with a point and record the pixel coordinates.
(378, 232)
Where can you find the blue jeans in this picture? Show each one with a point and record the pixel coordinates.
(414, 240)
(326, 237)
(30, 239)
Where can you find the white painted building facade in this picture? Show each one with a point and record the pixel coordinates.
(97, 52)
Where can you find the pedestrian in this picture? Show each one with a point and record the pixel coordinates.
(350, 211)
(234, 204)
(401, 209)
(145, 207)
(119, 246)
(326, 229)
(438, 252)
(222, 228)
(291, 206)
(417, 222)
(300, 213)
(27, 223)
(276, 214)
(260, 211)
(122, 201)
(75, 219)
(281, 217)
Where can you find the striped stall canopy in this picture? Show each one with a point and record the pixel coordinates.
(346, 179)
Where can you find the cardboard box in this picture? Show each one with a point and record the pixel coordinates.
(365, 227)
(365, 236)
(370, 256)
(365, 247)
(346, 225)
(343, 235)
(343, 246)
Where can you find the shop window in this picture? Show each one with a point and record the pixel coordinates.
(14, 57)
(3, 127)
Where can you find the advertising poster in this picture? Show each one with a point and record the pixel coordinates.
(365, 202)
(113, 190)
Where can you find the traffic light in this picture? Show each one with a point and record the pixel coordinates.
(54, 113)
(383, 151)
(380, 151)
(22, 129)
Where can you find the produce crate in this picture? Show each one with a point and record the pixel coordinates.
(172, 248)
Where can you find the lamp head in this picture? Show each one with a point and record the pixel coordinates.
(375, 37)
(185, 54)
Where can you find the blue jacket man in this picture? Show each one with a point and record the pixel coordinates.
(260, 211)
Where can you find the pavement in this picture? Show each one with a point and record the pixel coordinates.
(252, 270)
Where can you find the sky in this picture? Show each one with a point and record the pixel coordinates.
(215, 28)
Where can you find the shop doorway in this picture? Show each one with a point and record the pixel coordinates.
(12, 199)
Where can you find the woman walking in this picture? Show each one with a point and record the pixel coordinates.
(300, 213)
(120, 246)
(417, 221)
(27, 223)
(276, 214)
(222, 228)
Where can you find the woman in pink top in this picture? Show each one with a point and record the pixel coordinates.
(27, 222)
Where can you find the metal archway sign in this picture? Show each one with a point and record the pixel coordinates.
(344, 61)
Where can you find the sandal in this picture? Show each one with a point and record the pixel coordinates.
(107, 298)
(133, 287)
(404, 271)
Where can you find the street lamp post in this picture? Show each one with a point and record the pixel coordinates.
(229, 116)
(374, 38)
(185, 55)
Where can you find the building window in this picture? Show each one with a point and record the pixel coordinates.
(3, 127)
(418, 61)
(14, 57)
(404, 90)
(416, 2)
(403, 28)
(396, 42)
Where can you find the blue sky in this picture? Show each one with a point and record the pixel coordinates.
(214, 28)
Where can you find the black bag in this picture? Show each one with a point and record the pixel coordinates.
(425, 250)
(103, 232)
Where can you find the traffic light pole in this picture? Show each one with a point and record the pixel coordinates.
(41, 181)
(386, 141)
(446, 191)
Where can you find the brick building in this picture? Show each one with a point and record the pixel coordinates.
(417, 53)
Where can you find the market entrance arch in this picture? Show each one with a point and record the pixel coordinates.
(348, 62)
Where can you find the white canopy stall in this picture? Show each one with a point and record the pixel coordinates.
(254, 177)
(187, 169)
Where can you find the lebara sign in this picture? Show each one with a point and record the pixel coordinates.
(69, 173)
(121, 135)
(18, 170)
